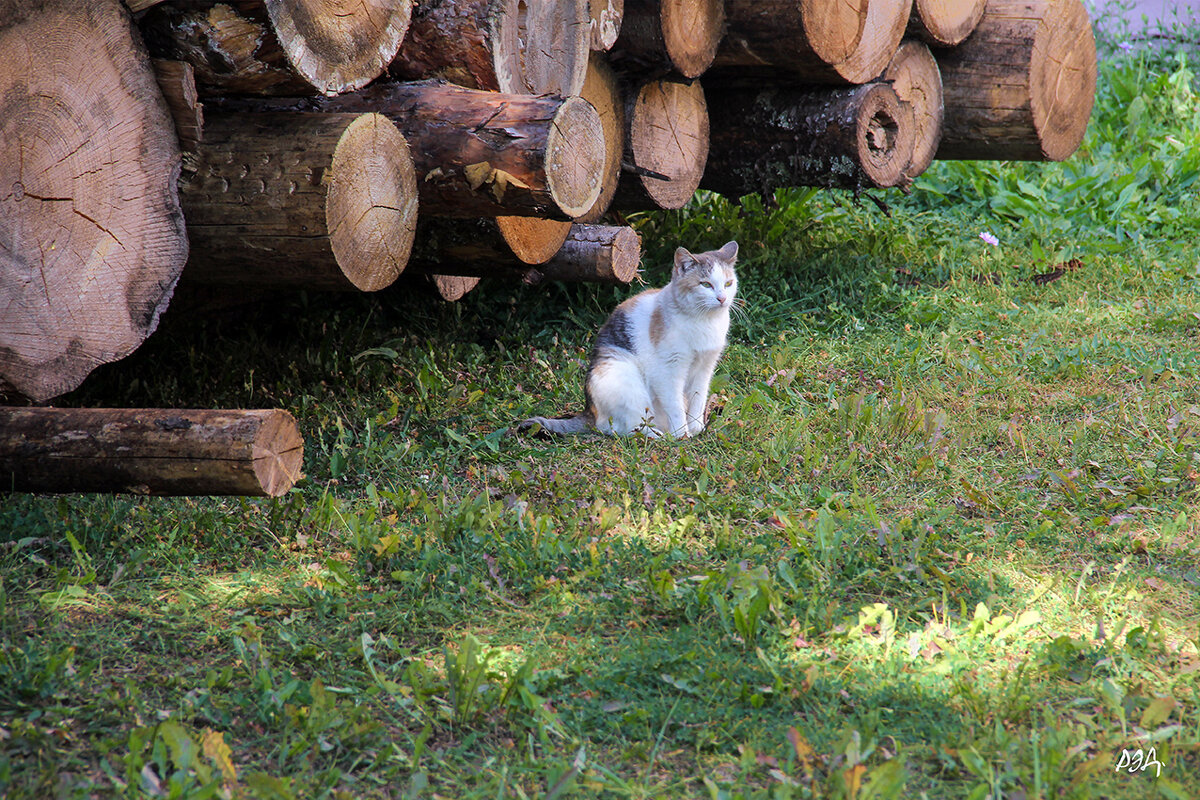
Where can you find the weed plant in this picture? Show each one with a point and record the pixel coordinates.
(939, 540)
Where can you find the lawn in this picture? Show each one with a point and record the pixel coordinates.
(941, 538)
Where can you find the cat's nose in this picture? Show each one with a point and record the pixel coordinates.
(721, 299)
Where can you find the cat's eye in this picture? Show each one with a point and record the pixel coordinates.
(729, 283)
(706, 284)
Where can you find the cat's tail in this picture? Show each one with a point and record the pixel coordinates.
(565, 426)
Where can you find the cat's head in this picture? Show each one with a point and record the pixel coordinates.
(706, 280)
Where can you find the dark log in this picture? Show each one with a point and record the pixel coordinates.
(321, 201)
(177, 80)
(662, 36)
(499, 45)
(914, 75)
(945, 23)
(853, 138)
(591, 254)
(279, 47)
(1021, 87)
(666, 145)
(483, 153)
(149, 451)
(92, 239)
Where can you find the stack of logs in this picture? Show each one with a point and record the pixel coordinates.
(274, 143)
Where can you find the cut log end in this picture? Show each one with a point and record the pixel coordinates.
(692, 31)
(885, 137)
(668, 140)
(1063, 78)
(533, 241)
(945, 23)
(833, 30)
(597, 254)
(371, 211)
(278, 451)
(575, 156)
(604, 93)
(914, 75)
(335, 47)
(541, 47)
(883, 29)
(453, 288)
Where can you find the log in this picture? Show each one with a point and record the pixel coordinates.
(279, 47)
(481, 153)
(849, 138)
(603, 91)
(1021, 87)
(321, 201)
(591, 254)
(914, 75)
(499, 45)
(945, 23)
(177, 80)
(662, 36)
(883, 31)
(533, 241)
(666, 145)
(806, 37)
(605, 25)
(92, 239)
(149, 451)
(453, 288)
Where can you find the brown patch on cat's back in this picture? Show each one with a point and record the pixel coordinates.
(658, 325)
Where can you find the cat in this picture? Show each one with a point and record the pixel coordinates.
(653, 360)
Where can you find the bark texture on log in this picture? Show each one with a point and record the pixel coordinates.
(797, 36)
(606, 17)
(1021, 87)
(508, 46)
(92, 240)
(149, 451)
(666, 145)
(603, 91)
(852, 138)
(486, 153)
(591, 254)
(177, 80)
(660, 36)
(914, 75)
(280, 47)
(945, 23)
(323, 201)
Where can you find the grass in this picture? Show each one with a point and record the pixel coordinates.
(940, 538)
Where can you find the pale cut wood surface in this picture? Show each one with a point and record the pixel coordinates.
(914, 75)
(603, 91)
(661, 36)
(666, 145)
(796, 36)
(945, 23)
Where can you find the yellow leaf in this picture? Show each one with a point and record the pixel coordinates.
(215, 749)
(508, 179)
(804, 751)
(853, 778)
(478, 174)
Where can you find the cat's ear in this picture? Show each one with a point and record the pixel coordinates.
(728, 253)
(683, 261)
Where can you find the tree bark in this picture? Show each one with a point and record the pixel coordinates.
(603, 91)
(177, 80)
(1021, 87)
(606, 17)
(945, 23)
(322, 201)
(662, 36)
(914, 75)
(499, 45)
(92, 240)
(798, 36)
(591, 254)
(279, 47)
(149, 451)
(852, 138)
(666, 145)
(481, 153)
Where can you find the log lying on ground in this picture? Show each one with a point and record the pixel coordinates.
(279, 47)
(591, 254)
(661, 36)
(666, 145)
(323, 201)
(914, 75)
(499, 45)
(453, 288)
(852, 138)
(92, 239)
(177, 80)
(806, 37)
(1021, 87)
(483, 153)
(606, 18)
(945, 23)
(149, 451)
(603, 91)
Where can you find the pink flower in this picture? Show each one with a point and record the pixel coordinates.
(987, 237)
